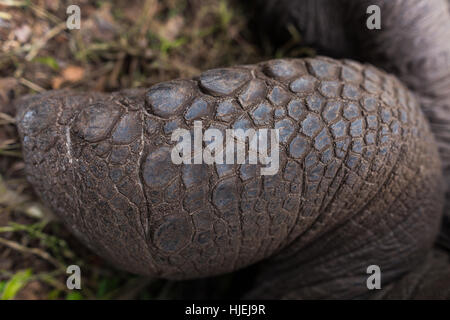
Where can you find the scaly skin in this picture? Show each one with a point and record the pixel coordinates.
(412, 44)
(360, 180)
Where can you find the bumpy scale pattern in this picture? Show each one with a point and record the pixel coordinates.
(349, 134)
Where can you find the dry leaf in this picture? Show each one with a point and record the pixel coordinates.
(57, 82)
(23, 33)
(171, 29)
(73, 73)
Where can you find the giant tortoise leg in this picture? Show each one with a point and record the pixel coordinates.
(358, 177)
(412, 44)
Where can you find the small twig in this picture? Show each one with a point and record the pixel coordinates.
(113, 78)
(31, 85)
(9, 153)
(13, 3)
(39, 44)
(49, 279)
(9, 145)
(42, 13)
(38, 252)
(7, 118)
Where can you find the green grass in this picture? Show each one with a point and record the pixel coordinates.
(10, 289)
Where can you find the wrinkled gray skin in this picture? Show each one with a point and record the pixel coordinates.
(413, 44)
(360, 179)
